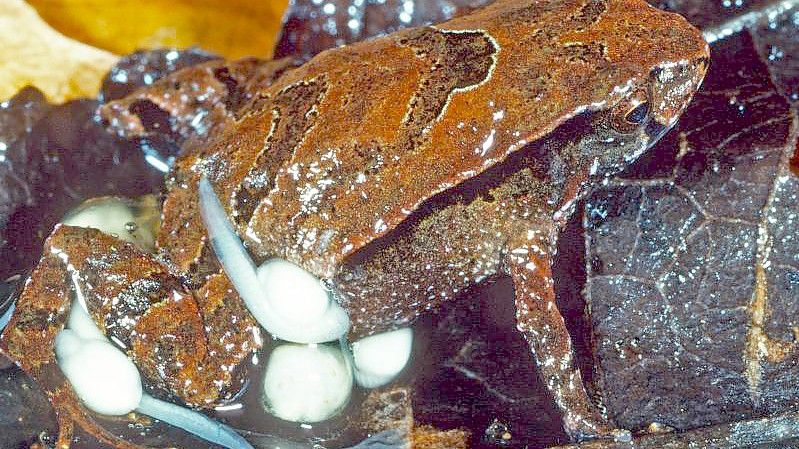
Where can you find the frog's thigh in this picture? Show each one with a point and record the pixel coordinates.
(528, 261)
(29, 339)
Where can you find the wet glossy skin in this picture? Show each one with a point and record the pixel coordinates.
(189, 345)
(331, 155)
(403, 170)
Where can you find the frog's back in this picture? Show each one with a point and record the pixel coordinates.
(339, 151)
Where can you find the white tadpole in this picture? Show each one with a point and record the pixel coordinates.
(82, 324)
(104, 378)
(67, 342)
(298, 309)
(113, 216)
(306, 383)
(293, 293)
(378, 359)
(108, 382)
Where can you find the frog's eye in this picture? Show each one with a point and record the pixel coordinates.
(631, 112)
(638, 114)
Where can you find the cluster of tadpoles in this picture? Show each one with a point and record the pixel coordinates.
(306, 379)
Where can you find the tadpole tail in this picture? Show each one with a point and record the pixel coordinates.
(6, 317)
(229, 249)
(193, 422)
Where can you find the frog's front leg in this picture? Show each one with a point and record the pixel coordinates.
(528, 261)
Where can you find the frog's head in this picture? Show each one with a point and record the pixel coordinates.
(651, 64)
(648, 107)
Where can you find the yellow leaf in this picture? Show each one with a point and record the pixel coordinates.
(32, 53)
(231, 28)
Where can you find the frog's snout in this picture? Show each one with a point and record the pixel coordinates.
(673, 87)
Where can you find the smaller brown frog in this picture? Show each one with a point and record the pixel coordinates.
(401, 171)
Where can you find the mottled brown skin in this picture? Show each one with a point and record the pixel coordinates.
(421, 101)
(194, 103)
(408, 168)
(178, 338)
(405, 169)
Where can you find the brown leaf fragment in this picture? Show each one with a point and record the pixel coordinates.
(795, 162)
(426, 437)
(387, 409)
(40, 56)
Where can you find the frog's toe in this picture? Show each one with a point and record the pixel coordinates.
(583, 429)
(622, 435)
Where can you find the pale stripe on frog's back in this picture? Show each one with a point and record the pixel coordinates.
(406, 116)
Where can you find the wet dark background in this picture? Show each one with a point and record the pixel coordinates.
(655, 273)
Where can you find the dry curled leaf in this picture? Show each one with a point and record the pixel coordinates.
(35, 54)
(233, 28)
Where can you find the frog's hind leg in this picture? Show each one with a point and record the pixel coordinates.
(29, 340)
(528, 261)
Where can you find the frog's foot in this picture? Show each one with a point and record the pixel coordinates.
(41, 313)
(528, 262)
(180, 339)
(581, 428)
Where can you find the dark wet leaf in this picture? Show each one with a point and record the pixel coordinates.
(25, 414)
(709, 14)
(472, 369)
(54, 157)
(311, 26)
(144, 67)
(54, 164)
(693, 259)
(774, 432)
(777, 43)
(17, 117)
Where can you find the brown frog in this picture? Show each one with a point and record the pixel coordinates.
(401, 171)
